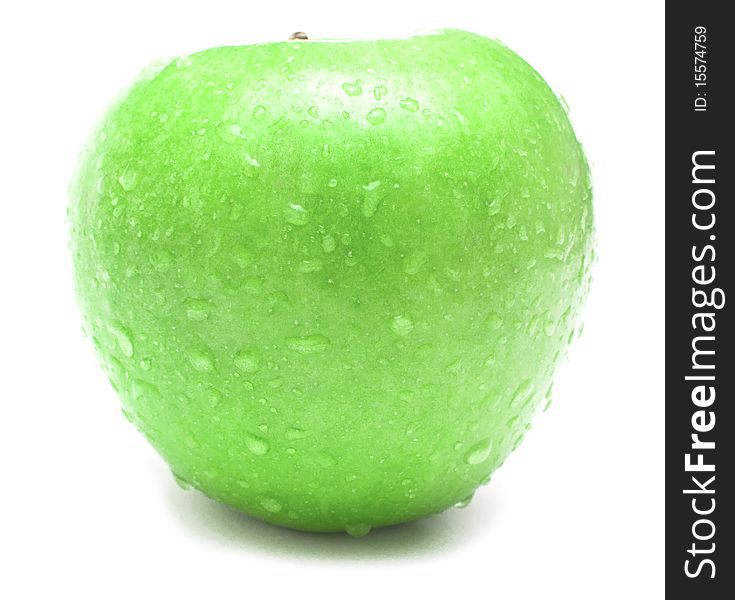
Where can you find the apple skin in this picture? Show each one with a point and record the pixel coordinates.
(331, 281)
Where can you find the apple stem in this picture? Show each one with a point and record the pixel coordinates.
(299, 35)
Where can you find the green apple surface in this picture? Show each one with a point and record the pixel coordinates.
(331, 281)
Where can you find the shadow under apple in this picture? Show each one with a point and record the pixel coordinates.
(216, 523)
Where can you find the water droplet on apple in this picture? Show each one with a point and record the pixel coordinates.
(313, 112)
(128, 179)
(522, 394)
(326, 460)
(294, 433)
(409, 104)
(145, 395)
(271, 505)
(310, 266)
(332, 183)
(401, 325)
(296, 215)
(386, 240)
(352, 89)
(414, 262)
(549, 327)
(357, 530)
(214, 397)
(256, 445)
(275, 383)
(253, 162)
(123, 337)
(181, 482)
(494, 321)
(464, 127)
(370, 204)
(161, 259)
(184, 62)
(247, 361)
(145, 364)
(259, 112)
(376, 116)
(465, 502)
(493, 206)
(328, 244)
(202, 359)
(197, 309)
(309, 344)
(479, 452)
(379, 92)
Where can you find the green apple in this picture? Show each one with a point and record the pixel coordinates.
(331, 281)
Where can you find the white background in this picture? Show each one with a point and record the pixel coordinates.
(90, 511)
